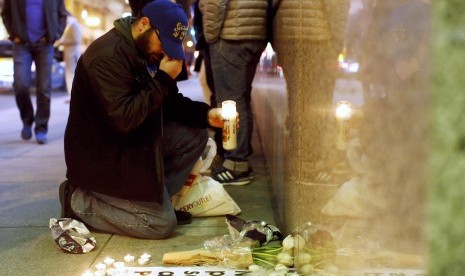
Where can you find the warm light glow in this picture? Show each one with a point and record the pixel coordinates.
(100, 266)
(145, 256)
(6, 67)
(126, 14)
(129, 258)
(109, 261)
(269, 51)
(189, 43)
(343, 110)
(142, 261)
(92, 21)
(87, 273)
(119, 265)
(228, 109)
(229, 114)
(84, 14)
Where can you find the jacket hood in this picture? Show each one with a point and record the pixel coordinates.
(123, 25)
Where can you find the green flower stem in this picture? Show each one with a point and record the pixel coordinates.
(269, 249)
(264, 255)
(258, 260)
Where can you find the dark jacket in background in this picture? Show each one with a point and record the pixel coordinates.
(14, 19)
(113, 139)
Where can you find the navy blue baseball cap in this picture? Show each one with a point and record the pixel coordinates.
(171, 21)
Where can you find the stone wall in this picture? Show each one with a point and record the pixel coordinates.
(364, 179)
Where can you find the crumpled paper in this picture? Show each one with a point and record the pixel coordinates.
(72, 236)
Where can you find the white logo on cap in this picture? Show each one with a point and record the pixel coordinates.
(180, 31)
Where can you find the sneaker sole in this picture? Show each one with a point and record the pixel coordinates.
(238, 182)
(26, 138)
(226, 177)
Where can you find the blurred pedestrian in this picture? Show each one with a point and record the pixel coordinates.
(33, 26)
(236, 41)
(72, 42)
(132, 138)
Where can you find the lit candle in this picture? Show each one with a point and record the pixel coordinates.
(228, 112)
(145, 256)
(100, 266)
(109, 261)
(119, 265)
(129, 258)
(87, 273)
(142, 261)
(343, 115)
(100, 273)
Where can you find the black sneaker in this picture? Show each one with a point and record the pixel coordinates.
(41, 138)
(26, 132)
(228, 177)
(183, 217)
(65, 191)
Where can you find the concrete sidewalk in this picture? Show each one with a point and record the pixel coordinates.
(29, 178)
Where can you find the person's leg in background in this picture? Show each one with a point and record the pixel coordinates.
(43, 57)
(70, 55)
(22, 59)
(233, 66)
(217, 132)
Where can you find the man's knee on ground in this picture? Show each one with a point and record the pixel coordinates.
(162, 231)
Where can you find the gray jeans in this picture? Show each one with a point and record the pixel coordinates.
(233, 66)
(149, 220)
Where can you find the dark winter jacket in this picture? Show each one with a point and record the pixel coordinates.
(14, 19)
(113, 139)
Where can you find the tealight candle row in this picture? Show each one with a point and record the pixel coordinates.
(144, 259)
(109, 261)
(100, 273)
(100, 266)
(129, 258)
(103, 268)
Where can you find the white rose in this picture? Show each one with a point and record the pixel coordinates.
(280, 267)
(302, 258)
(255, 268)
(285, 259)
(299, 243)
(288, 243)
(307, 269)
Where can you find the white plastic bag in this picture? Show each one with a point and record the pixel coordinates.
(205, 197)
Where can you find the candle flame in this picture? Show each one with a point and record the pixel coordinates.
(228, 109)
(343, 110)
